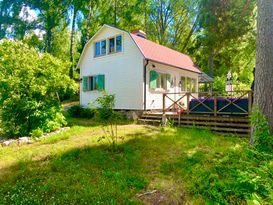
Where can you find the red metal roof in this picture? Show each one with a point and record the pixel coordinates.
(161, 54)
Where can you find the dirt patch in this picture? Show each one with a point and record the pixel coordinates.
(167, 192)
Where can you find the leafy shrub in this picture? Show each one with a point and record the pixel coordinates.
(109, 118)
(80, 112)
(30, 84)
(235, 177)
(36, 133)
(263, 140)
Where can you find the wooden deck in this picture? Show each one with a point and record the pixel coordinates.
(215, 117)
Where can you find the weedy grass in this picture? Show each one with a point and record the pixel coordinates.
(182, 165)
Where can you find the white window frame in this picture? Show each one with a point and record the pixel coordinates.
(100, 48)
(115, 44)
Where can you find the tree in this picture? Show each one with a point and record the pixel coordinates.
(51, 15)
(30, 84)
(263, 84)
(221, 22)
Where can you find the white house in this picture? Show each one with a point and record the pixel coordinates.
(136, 70)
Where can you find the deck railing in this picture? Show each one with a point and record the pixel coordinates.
(220, 103)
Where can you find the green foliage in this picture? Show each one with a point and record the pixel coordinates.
(36, 133)
(233, 177)
(29, 87)
(263, 140)
(80, 112)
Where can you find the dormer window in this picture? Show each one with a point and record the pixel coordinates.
(118, 44)
(115, 44)
(100, 48)
(112, 45)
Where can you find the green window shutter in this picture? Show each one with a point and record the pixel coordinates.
(153, 79)
(101, 82)
(84, 83)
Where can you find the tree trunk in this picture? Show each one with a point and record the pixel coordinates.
(49, 40)
(211, 63)
(263, 94)
(72, 42)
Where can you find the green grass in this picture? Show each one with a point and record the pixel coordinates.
(183, 165)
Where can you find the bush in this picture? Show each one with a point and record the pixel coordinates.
(80, 112)
(36, 133)
(109, 118)
(263, 140)
(30, 84)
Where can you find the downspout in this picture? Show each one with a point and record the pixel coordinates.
(144, 79)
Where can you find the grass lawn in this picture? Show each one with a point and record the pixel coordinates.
(177, 166)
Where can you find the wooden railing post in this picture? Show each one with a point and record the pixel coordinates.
(215, 105)
(163, 103)
(188, 103)
(164, 119)
(250, 102)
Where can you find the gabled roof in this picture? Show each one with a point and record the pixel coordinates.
(161, 54)
(155, 52)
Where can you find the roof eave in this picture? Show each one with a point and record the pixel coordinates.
(186, 69)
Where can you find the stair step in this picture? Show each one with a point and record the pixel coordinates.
(218, 124)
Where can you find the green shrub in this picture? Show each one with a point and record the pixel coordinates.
(109, 118)
(37, 133)
(30, 84)
(79, 112)
(263, 140)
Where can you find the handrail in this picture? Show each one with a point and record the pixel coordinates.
(231, 101)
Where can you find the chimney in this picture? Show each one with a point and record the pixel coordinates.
(140, 33)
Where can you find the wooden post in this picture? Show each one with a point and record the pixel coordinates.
(163, 102)
(249, 102)
(164, 119)
(215, 105)
(188, 103)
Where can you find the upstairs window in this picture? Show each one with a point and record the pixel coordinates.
(100, 48)
(96, 82)
(115, 44)
(112, 45)
(118, 44)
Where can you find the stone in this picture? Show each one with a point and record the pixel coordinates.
(9, 142)
(24, 140)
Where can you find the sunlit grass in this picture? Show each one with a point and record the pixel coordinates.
(74, 167)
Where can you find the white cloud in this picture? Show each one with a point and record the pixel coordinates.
(27, 14)
(38, 32)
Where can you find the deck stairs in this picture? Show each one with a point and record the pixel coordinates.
(236, 125)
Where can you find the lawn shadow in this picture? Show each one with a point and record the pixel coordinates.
(146, 160)
(85, 175)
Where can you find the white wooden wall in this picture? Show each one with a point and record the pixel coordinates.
(154, 98)
(123, 71)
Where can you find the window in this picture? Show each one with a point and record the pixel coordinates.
(100, 48)
(193, 85)
(119, 44)
(188, 82)
(160, 81)
(96, 82)
(111, 45)
(183, 84)
(103, 47)
(115, 44)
